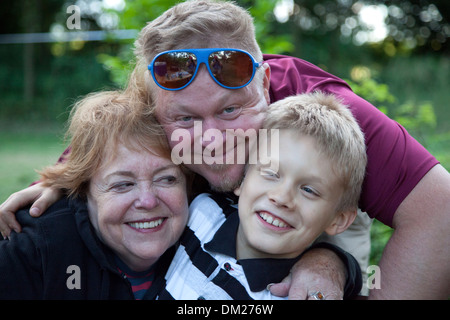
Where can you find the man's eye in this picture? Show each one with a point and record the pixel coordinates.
(229, 110)
(186, 119)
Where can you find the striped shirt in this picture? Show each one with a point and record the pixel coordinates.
(205, 264)
(140, 281)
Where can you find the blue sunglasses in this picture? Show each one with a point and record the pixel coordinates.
(230, 68)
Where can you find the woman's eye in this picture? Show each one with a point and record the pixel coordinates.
(167, 180)
(122, 186)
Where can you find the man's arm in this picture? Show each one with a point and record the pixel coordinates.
(321, 270)
(416, 261)
(39, 196)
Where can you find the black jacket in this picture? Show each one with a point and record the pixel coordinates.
(58, 256)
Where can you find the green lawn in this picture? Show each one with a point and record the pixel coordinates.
(23, 150)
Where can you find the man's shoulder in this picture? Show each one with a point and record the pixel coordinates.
(289, 63)
(290, 76)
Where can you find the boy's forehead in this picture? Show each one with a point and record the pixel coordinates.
(296, 154)
(275, 146)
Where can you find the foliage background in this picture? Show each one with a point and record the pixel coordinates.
(405, 72)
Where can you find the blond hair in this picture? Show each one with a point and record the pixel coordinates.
(98, 123)
(336, 132)
(198, 24)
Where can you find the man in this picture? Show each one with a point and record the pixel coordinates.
(405, 187)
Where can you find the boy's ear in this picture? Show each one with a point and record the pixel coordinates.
(238, 190)
(341, 222)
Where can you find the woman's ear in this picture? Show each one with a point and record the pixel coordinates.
(341, 222)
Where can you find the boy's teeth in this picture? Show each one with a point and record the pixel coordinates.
(269, 219)
(146, 225)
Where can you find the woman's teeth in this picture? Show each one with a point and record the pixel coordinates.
(146, 225)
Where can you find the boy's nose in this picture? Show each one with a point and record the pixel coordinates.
(282, 196)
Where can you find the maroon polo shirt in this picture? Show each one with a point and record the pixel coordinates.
(396, 161)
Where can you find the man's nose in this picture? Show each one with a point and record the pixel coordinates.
(212, 134)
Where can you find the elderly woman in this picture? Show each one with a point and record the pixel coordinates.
(111, 237)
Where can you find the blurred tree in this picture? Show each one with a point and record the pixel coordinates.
(334, 34)
(39, 80)
(304, 27)
(357, 31)
(28, 17)
(404, 24)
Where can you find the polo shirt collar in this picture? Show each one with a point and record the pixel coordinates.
(259, 272)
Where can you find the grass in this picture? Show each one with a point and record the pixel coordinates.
(25, 148)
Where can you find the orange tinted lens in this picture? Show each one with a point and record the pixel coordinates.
(174, 70)
(231, 68)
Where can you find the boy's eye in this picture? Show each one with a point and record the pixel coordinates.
(309, 191)
(269, 173)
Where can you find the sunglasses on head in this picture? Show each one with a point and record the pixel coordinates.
(230, 68)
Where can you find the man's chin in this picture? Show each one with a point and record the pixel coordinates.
(221, 178)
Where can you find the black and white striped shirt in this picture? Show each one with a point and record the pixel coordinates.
(205, 265)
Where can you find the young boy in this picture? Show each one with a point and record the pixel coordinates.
(311, 185)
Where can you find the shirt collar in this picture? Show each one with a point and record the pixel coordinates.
(259, 272)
